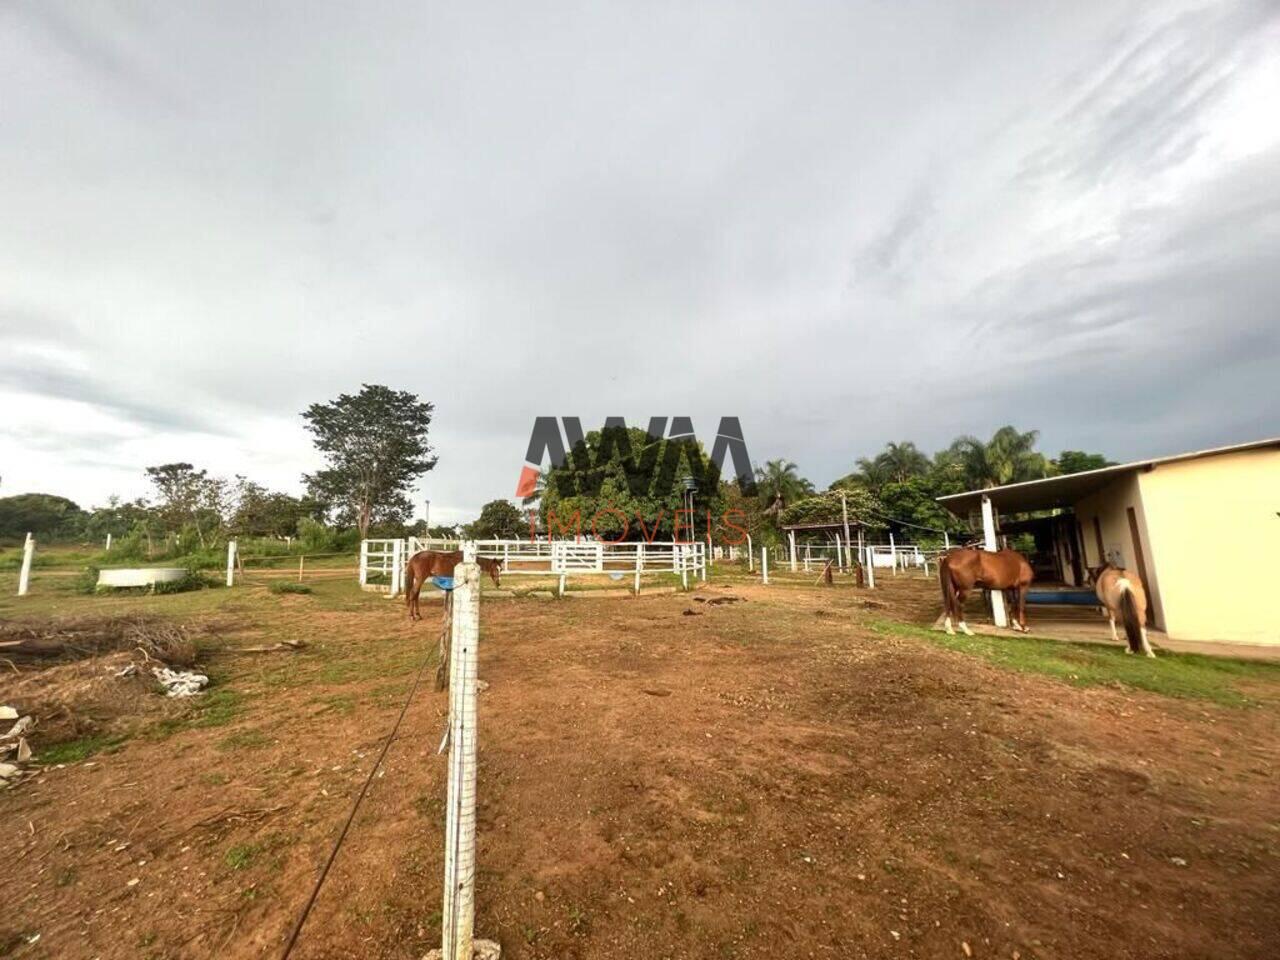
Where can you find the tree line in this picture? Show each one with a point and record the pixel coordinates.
(374, 446)
(896, 489)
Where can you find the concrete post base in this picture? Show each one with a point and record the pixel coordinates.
(481, 950)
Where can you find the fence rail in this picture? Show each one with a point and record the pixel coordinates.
(387, 559)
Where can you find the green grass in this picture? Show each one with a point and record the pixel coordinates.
(288, 586)
(73, 751)
(1185, 675)
(242, 855)
(244, 740)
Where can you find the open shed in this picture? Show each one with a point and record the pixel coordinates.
(1202, 529)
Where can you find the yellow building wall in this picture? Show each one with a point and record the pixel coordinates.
(1214, 533)
(1110, 505)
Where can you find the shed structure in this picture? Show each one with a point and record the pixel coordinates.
(1201, 528)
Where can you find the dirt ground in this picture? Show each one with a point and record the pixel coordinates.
(787, 775)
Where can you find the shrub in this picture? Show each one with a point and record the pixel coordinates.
(288, 586)
(87, 582)
(192, 580)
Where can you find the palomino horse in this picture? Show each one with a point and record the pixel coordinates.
(962, 568)
(1121, 592)
(434, 563)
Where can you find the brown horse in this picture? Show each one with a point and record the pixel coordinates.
(962, 568)
(1121, 592)
(426, 564)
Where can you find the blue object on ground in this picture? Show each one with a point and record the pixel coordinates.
(1074, 598)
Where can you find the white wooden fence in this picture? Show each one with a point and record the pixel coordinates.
(563, 559)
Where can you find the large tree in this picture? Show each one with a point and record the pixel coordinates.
(189, 498)
(1008, 457)
(260, 512)
(45, 515)
(499, 520)
(896, 463)
(375, 446)
(620, 483)
(1077, 461)
(779, 484)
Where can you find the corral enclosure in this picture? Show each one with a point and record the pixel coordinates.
(738, 771)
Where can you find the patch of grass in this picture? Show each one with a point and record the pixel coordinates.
(340, 703)
(371, 663)
(1184, 675)
(288, 586)
(218, 708)
(73, 751)
(244, 740)
(242, 855)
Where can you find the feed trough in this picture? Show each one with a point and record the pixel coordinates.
(139, 576)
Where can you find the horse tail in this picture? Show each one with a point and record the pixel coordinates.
(1129, 616)
(948, 588)
(408, 586)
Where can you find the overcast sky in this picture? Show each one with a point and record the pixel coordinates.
(844, 223)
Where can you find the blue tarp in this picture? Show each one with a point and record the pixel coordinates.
(1075, 598)
(444, 583)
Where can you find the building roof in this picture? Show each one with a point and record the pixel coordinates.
(1068, 489)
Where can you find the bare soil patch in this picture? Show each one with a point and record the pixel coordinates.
(775, 777)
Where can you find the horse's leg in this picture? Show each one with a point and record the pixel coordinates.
(1115, 635)
(945, 583)
(442, 668)
(961, 594)
(1022, 607)
(1146, 644)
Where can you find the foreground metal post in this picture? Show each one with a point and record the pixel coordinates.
(28, 552)
(458, 918)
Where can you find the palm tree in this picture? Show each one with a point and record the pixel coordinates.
(539, 489)
(780, 483)
(1008, 457)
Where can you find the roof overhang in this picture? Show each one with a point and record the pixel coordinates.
(1070, 489)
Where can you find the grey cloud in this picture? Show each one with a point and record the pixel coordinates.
(659, 210)
(38, 379)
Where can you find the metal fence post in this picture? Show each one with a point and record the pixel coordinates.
(458, 916)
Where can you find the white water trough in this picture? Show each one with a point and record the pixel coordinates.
(140, 576)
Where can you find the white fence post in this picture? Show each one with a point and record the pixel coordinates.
(989, 541)
(28, 554)
(706, 560)
(751, 556)
(839, 555)
(639, 564)
(397, 567)
(231, 563)
(364, 563)
(107, 549)
(871, 567)
(791, 534)
(764, 564)
(458, 917)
